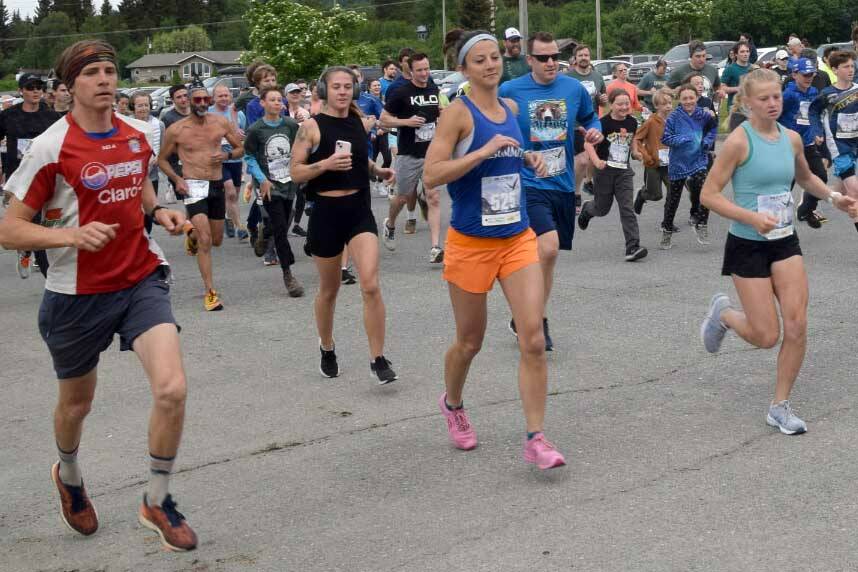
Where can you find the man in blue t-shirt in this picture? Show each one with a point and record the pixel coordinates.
(550, 108)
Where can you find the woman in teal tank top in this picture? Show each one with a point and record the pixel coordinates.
(762, 253)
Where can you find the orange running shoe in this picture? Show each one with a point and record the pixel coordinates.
(76, 510)
(171, 525)
(212, 301)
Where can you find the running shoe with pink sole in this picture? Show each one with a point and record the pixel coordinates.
(542, 453)
(459, 428)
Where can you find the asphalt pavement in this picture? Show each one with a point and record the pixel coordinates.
(670, 463)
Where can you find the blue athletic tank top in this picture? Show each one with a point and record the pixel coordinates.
(763, 181)
(488, 201)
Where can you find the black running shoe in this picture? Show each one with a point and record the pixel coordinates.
(380, 368)
(328, 366)
(348, 277)
(549, 343)
(512, 328)
(298, 231)
(584, 218)
(587, 187)
(810, 217)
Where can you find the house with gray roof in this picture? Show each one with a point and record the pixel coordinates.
(160, 67)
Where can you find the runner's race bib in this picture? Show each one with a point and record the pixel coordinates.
(618, 155)
(847, 126)
(279, 169)
(197, 191)
(425, 132)
(781, 207)
(555, 161)
(663, 157)
(501, 199)
(803, 117)
(23, 145)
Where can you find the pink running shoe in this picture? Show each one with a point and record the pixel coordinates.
(542, 453)
(458, 426)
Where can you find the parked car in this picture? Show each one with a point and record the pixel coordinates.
(838, 45)
(439, 75)
(233, 82)
(716, 51)
(637, 71)
(637, 58)
(160, 99)
(605, 68)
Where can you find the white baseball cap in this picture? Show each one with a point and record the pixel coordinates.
(511, 33)
(781, 55)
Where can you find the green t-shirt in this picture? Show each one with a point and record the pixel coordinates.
(711, 81)
(592, 82)
(514, 67)
(651, 82)
(731, 76)
(243, 99)
(271, 146)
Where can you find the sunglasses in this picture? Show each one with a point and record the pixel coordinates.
(205, 99)
(545, 57)
(34, 87)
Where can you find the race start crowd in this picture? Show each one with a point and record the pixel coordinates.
(513, 143)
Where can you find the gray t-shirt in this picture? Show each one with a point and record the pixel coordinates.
(592, 82)
(651, 82)
(711, 81)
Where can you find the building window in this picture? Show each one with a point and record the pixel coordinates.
(200, 69)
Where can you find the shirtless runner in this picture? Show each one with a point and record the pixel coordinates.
(197, 140)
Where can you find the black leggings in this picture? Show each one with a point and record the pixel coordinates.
(814, 160)
(671, 203)
(279, 210)
(299, 205)
(382, 146)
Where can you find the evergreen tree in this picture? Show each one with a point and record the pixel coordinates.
(106, 9)
(43, 8)
(474, 14)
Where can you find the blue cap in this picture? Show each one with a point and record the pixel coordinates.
(803, 66)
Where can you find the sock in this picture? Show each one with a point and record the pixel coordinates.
(412, 215)
(159, 479)
(533, 434)
(69, 469)
(454, 407)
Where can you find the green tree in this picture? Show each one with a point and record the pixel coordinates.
(474, 14)
(43, 8)
(106, 9)
(190, 39)
(682, 19)
(301, 41)
(42, 49)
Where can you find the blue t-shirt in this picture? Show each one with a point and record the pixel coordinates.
(547, 117)
(385, 84)
(488, 200)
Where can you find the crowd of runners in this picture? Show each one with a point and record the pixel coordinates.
(516, 146)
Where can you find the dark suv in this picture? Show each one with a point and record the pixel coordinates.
(715, 52)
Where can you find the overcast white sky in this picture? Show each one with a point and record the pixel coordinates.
(28, 6)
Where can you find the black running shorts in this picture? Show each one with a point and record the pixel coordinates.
(754, 258)
(336, 220)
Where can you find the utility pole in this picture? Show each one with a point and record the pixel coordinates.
(444, 26)
(598, 30)
(522, 22)
(492, 17)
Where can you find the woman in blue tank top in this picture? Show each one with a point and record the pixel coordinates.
(762, 253)
(477, 152)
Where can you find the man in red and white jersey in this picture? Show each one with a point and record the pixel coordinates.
(87, 175)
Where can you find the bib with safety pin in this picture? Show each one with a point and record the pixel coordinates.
(664, 157)
(501, 199)
(23, 145)
(803, 117)
(779, 206)
(618, 155)
(279, 169)
(847, 126)
(197, 191)
(425, 132)
(555, 161)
